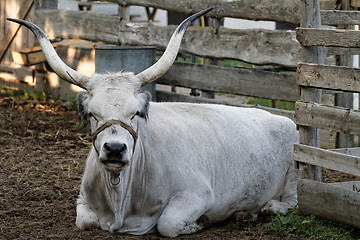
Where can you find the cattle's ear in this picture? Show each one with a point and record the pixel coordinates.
(82, 101)
(145, 99)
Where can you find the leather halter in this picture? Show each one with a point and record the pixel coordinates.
(122, 124)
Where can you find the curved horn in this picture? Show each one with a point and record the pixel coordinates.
(59, 67)
(168, 58)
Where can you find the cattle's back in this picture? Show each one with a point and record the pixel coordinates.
(237, 153)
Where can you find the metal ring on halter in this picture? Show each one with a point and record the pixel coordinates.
(115, 179)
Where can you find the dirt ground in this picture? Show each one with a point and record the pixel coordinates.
(42, 155)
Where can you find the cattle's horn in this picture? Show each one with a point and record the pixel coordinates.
(59, 67)
(168, 58)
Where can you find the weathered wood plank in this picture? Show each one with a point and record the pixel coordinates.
(79, 25)
(328, 37)
(355, 3)
(14, 73)
(342, 51)
(337, 17)
(329, 77)
(330, 202)
(22, 78)
(271, 10)
(329, 117)
(328, 159)
(255, 46)
(353, 151)
(239, 81)
(164, 96)
(34, 55)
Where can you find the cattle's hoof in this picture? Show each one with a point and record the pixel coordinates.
(204, 221)
(242, 218)
(265, 216)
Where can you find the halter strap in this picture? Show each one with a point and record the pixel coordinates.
(122, 124)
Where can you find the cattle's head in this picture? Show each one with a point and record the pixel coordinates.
(115, 106)
(114, 102)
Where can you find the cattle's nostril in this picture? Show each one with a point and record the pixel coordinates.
(115, 148)
(122, 147)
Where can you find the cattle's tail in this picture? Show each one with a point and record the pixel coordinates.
(168, 58)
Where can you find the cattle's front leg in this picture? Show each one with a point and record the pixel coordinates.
(288, 197)
(182, 214)
(86, 218)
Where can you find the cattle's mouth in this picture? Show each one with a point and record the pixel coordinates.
(114, 165)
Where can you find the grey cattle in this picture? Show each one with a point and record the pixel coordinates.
(169, 166)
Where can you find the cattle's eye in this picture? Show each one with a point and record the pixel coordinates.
(92, 116)
(136, 114)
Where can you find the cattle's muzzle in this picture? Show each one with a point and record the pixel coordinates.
(115, 151)
(114, 155)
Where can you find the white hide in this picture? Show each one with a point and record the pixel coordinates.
(191, 160)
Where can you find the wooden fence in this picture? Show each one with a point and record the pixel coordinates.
(338, 201)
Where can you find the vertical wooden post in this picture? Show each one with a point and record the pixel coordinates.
(216, 23)
(344, 140)
(123, 12)
(310, 18)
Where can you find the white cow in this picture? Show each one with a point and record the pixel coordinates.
(174, 166)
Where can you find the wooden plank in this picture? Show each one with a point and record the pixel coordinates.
(79, 25)
(337, 17)
(329, 117)
(256, 46)
(328, 159)
(10, 35)
(310, 18)
(330, 202)
(342, 51)
(329, 77)
(29, 56)
(354, 151)
(164, 96)
(355, 3)
(34, 55)
(14, 73)
(329, 4)
(328, 37)
(239, 81)
(271, 10)
(17, 78)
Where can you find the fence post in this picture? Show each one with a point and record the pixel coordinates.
(123, 12)
(310, 18)
(216, 23)
(344, 140)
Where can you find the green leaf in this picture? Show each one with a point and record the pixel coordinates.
(284, 220)
(306, 221)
